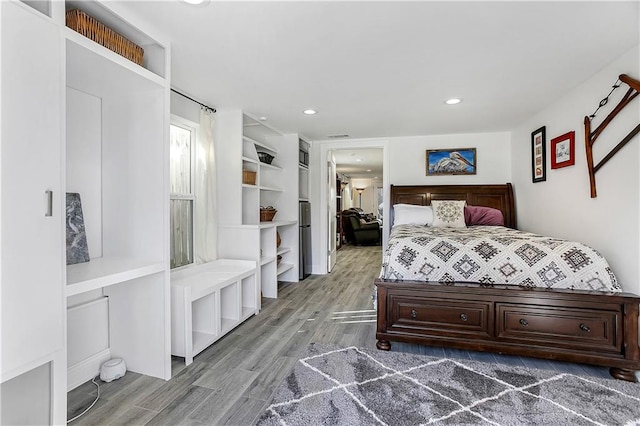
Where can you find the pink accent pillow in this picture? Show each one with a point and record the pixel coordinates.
(478, 215)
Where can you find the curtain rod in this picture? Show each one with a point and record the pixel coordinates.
(193, 100)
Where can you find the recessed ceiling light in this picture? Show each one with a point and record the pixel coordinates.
(310, 111)
(358, 160)
(196, 2)
(453, 101)
(263, 118)
(368, 170)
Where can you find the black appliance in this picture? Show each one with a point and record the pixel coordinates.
(305, 239)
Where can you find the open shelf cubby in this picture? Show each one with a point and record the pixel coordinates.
(208, 301)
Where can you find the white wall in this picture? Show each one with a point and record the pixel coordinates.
(561, 206)
(84, 162)
(183, 107)
(368, 195)
(407, 158)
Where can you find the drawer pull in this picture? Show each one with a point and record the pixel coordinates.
(524, 322)
(585, 327)
(463, 317)
(414, 313)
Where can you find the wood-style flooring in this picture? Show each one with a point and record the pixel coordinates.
(232, 381)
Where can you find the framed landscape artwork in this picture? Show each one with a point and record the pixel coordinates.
(460, 161)
(563, 150)
(538, 155)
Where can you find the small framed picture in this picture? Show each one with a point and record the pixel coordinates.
(563, 150)
(538, 155)
(457, 161)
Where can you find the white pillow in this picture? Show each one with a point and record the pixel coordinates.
(408, 214)
(448, 213)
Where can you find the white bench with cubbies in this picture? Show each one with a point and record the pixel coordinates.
(208, 301)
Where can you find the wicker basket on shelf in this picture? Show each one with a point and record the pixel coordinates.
(267, 214)
(249, 177)
(91, 28)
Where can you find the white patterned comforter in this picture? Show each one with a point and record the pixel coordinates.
(494, 255)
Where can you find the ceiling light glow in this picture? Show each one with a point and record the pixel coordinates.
(310, 111)
(358, 160)
(453, 101)
(196, 2)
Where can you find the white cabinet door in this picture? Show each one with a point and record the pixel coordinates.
(31, 288)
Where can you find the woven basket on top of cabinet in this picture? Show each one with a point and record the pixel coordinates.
(95, 30)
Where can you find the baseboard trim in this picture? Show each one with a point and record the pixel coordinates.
(87, 369)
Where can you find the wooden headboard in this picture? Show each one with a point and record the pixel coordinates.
(497, 196)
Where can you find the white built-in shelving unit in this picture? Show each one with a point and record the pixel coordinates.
(241, 235)
(82, 119)
(117, 117)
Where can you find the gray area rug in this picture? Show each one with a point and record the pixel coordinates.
(350, 386)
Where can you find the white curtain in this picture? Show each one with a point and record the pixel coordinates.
(206, 221)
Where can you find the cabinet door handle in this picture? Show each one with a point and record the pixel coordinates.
(414, 313)
(49, 210)
(463, 317)
(585, 328)
(524, 322)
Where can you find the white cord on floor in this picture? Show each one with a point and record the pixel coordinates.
(89, 407)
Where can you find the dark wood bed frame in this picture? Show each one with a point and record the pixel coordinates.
(590, 327)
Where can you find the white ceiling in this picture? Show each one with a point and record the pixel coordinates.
(381, 69)
(359, 163)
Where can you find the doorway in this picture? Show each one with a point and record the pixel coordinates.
(359, 174)
(360, 182)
